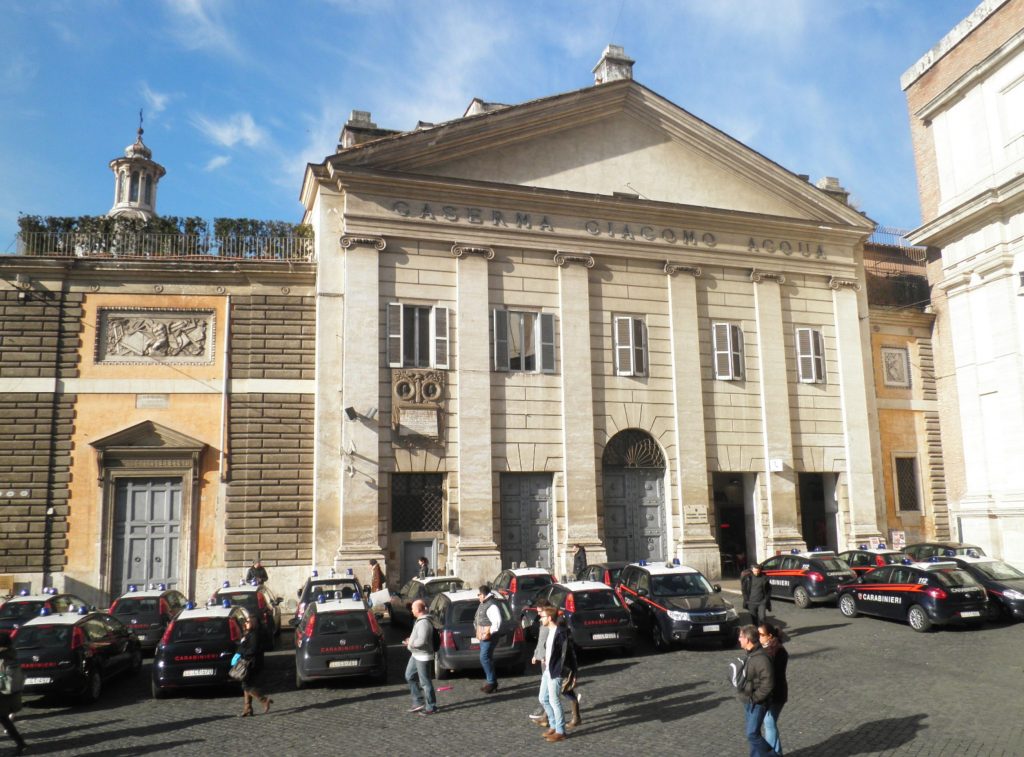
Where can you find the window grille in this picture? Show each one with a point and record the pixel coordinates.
(416, 501)
(906, 483)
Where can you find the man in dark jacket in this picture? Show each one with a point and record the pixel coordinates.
(256, 573)
(579, 560)
(757, 594)
(754, 691)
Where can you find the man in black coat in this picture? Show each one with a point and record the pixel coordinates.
(754, 691)
(579, 560)
(757, 594)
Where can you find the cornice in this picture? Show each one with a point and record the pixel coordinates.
(902, 317)
(986, 207)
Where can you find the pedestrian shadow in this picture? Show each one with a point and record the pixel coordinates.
(867, 738)
(805, 630)
(503, 694)
(811, 652)
(375, 695)
(82, 740)
(148, 749)
(630, 710)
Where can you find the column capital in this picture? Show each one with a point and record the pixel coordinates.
(347, 242)
(758, 276)
(460, 250)
(563, 259)
(835, 282)
(673, 268)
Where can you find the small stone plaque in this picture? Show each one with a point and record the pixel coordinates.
(695, 513)
(152, 401)
(418, 422)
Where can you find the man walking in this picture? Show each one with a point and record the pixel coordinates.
(757, 594)
(755, 691)
(419, 672)
(555, 653)
(487, 624)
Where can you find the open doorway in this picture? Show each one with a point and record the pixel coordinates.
(818, 510)
(731, 522)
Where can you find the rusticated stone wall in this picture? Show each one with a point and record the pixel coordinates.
(273, 337)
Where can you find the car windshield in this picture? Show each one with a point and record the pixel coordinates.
(199, 629)
(137, 606)
(246, 599)
(833, 563)
(330, 623)
(433, 588)
(965, 551)
(533, 582)
(18, 610)
(680, 585)
(599, 599)
(998, 570)
(613, 575)
(344, 588)
(954, 577)
(30, 637)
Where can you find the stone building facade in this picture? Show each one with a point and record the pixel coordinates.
(966, 103)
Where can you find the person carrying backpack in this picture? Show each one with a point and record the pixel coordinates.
(12, 682)
(420, 670)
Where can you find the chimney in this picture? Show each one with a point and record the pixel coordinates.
(360, 128)
(830, 185)
(614, 65)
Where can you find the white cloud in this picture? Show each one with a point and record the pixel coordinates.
(239, 128)
(218, 161)
(199, 26)
(156, 102)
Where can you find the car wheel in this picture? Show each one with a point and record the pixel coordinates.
(919, 619)
(93, 687)
(658, 638)
(440, 673)
(994, 611)
(136, 664)
(801, 598)
(158, 693)
(848, 606)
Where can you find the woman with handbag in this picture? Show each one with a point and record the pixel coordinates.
(11, 682)
(244, 669)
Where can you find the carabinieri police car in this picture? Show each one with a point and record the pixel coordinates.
(922, 593)
(338, 638)
(674, 603)
(864, 559)
(807, 577)
(1003, 582)
(25, 606)
(148, 612)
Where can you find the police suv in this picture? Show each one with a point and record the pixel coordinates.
(195, 650)
(807, 577)
(921, 593)
(674, 603)
(338, 638)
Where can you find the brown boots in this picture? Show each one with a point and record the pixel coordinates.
(247, 698)
(575, 720)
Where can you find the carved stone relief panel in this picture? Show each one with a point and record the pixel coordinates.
(417, 402)
(147, 335)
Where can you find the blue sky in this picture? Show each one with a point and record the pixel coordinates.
(240, 94)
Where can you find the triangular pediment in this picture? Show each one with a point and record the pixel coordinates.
(149, 435)
(613, 139)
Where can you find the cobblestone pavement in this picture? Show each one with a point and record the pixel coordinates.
(857, 687)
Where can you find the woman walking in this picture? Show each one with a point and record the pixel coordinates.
(248, 649)
(772, 643)
(10, 691)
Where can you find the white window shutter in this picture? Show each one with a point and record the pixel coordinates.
(810, 356)
(818, 344)
(394, 334)
(500, 325)
(639, 347)
(720, 333)
(622, 330)
(547, 342)
(440, 335)
(736, 349)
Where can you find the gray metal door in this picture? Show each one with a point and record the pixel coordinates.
(634, 506)
(412, 551)
(526, 519)
(147, 532)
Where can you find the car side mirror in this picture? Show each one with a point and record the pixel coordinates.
(717, 588)
(642, 592)
(293, 622)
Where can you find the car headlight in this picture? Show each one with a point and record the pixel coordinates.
(677, 615)
(731, 614)
(1013, 594)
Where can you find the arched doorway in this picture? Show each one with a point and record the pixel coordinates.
(633, 469)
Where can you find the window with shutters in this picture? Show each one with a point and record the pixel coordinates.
(417, 336)
(630, 336)
(810, 356)
(905, 482)
(523, 341)
(727, 344)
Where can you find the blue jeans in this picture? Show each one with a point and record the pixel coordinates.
(487, 661)
(418, 674)
(755, 717)
(550, 700)
(771, 727)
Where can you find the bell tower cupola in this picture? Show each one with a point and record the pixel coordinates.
(136, 176)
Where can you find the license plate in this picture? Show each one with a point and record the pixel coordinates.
(342, 663)
(970, 614)
(194, 672)
(603, 636)
(36, 681)
(474, 640)
(710, 629)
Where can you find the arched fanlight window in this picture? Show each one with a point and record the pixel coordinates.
(633, 448)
